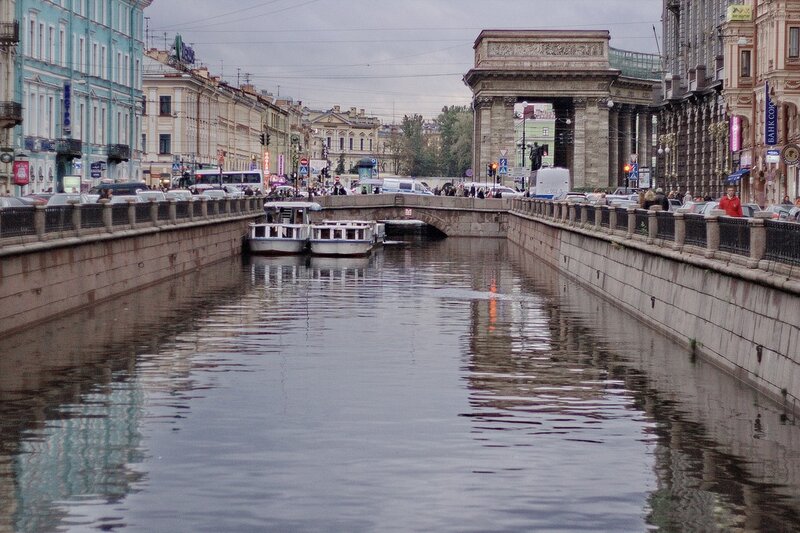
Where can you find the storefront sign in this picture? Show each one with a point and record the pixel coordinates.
(266, 162)
(736, 133)
(740, 13)
(771, 119)
(66, 120)
(21, 172)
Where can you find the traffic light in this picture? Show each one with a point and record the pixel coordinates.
(266, 139)
(263, 139)
(494, 168)
(627, 168)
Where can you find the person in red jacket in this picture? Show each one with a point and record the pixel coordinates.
(731, 203)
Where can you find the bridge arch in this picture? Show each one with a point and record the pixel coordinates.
(601, 99)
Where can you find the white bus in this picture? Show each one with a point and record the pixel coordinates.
(241, 179)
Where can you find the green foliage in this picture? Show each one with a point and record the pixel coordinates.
(447, 154)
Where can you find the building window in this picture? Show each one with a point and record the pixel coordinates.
(144, 142)
(164, 142)
(362, 145)
(744, 63)
(144, 106)
(351, 144)
(341, 144)
(328, 142)
(165, 105)
(794, 42)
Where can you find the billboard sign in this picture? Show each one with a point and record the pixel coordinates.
(736, 133)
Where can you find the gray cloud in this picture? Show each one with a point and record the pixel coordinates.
(390, 58)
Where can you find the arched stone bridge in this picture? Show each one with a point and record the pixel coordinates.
(453, 216)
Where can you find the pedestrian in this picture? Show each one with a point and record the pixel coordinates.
(731, 204)
(480, 193)
(687, 197)
(786, 200)
(797, 202)
(472, 191)
(649, 199)
(661, 199)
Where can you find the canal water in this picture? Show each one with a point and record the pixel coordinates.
(454, 385)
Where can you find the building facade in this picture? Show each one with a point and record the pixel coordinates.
(762, 94)
(78, 78)
(193, 119)
(10, 108)
(343, 137)
(693, 152)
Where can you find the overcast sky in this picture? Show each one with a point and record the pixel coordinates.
(389, 57)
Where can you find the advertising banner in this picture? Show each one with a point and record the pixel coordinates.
(736, 133)
(21, 172)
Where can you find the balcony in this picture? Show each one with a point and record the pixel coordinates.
(9, 33)
(71, 148)
(118, 152)
(10, 114)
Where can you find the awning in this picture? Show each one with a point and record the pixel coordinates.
(737, 176)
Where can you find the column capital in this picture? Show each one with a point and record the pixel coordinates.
(481, 102)
(509, 101)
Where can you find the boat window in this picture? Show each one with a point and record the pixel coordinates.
(259, 231)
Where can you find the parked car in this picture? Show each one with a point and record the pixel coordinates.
(750, 210)
(12, 201)
(693, 206)
(505, 192)
(120, 188)
(706, 208)
(779, 211)
(674, 204)
(123, 198)
(216, 194)
(794, 214)
(152, 196)
(179, 194)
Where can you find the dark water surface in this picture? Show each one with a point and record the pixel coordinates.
(445, 386)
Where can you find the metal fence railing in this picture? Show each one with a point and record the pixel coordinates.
(642, 222)
(605, 218)
(666, 225)
(783, 242)
(696, 234)
(734, 235)
(22, 222)
(622, 218)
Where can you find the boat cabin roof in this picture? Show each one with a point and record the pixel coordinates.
(310, 206)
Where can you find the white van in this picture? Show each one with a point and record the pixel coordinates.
(550, 182)
(404, 186)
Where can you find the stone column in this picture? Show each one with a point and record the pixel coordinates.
(644, 138)
(626, 136)
(480, 140)
(598, 150)
(680, 228)
(76, 218)
(758, 238)
(613, 147)
(579, 153)
(712, 232)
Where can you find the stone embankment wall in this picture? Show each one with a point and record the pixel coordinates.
(45, 279)
(742, 319)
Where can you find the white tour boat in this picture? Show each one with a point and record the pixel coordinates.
(286, 231)
(343, 238)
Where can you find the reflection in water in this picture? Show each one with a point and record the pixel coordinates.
(448, 386)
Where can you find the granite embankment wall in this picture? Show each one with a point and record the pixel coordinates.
(743, 319)
(44, 279)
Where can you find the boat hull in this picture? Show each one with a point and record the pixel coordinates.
(341, 248)
(267, 246)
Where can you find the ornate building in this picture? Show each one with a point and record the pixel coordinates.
(10, 107)
(343, 136)
(194, 119)
(693, 149)
(762, 51)
(78, 77)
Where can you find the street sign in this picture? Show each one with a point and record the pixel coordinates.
(503, 170)
(95, 165)
(96, 174)
(773, 156)
(176, 167)
(503, 153)
(304, 169)
(304, 162)
(791, 154)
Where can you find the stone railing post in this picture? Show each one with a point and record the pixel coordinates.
(598, 216)
(76, 217)
(131, 212)
(39, 220)
(190, 207)
(712, 231)
(631, 222)
(584, 216)
(680, 228)
(652, 223)
(204, 207)
(571, 215)
(612, 219)
(564, 212)
(758, 237)
(227, 206)
(173, 211)
(153, 211)
(108, 220)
